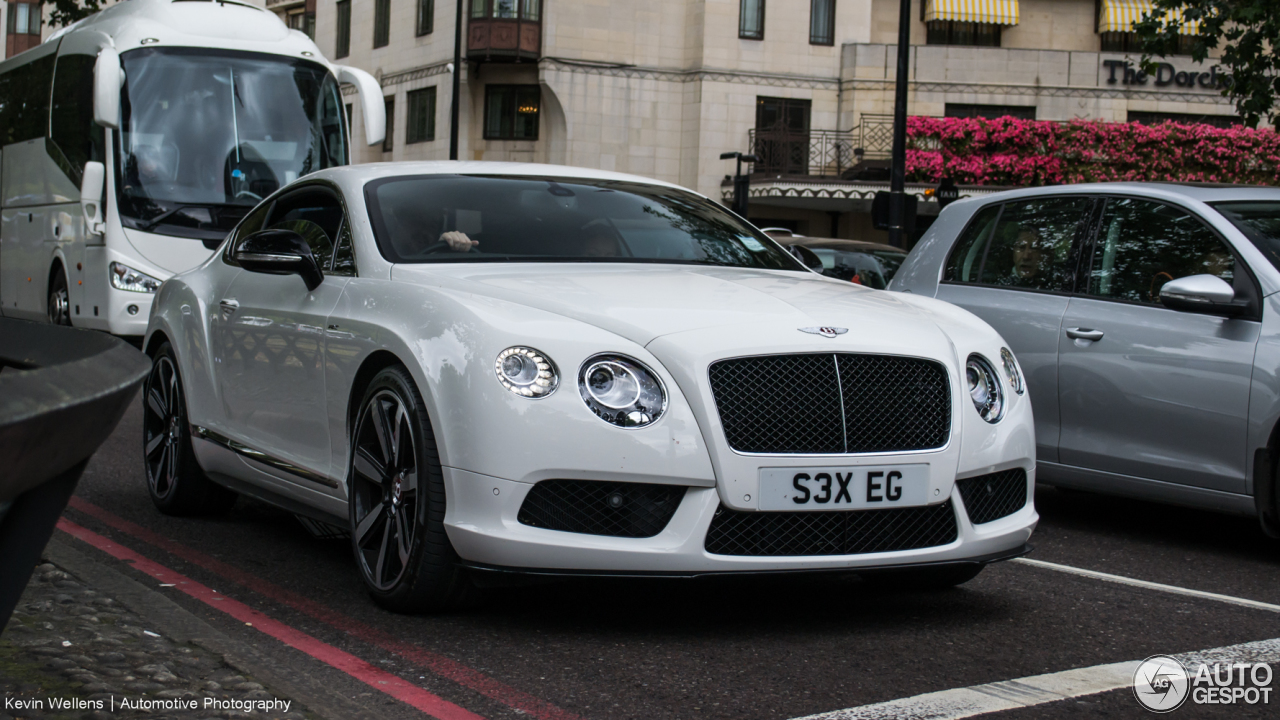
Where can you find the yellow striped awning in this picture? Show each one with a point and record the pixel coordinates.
(1120, 15)
(995, 12)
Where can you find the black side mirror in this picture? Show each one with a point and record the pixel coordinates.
(279, 252)
(806, 256)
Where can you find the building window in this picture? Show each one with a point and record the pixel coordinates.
(1155, 118)
(24, 19)
(822, 22)
(751, 19)
(951, 32)
(426, 17)
(388, 141)
(302, 21)
(782, 135)
(511, 112)
(506, 9)
(343, 46)
(381, 23)
(421, 123)
(967, 110)
(1127, 42)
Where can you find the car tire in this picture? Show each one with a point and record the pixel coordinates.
(938, 577)
(397, 502)
(175, 481)
(59, 308)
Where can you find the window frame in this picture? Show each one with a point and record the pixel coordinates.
(526, 11)
(537, 128)
(426, 23)
(389, 139)
(1084, 267)
(830, 39)
(1080, 245)
(342, 41)
(429, 133)
(743, 32)
(381, 23)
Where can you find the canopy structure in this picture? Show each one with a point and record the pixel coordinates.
(994, 12)
(1120, 15)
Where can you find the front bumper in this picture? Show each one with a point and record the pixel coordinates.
(482, 525)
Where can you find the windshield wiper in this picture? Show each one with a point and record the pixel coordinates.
(147, 225)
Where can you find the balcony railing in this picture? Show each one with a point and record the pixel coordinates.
(828, 153)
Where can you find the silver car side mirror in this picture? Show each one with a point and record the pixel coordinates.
(1200, 294)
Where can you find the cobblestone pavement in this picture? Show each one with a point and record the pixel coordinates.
(72, 652)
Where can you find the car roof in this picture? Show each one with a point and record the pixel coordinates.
(841, 244)
(1201, 192)
(363, 173)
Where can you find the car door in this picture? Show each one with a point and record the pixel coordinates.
(1146, 391)
(271, 377)
(1014, 266)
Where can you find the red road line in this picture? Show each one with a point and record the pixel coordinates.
(381, 680)
(436, 663)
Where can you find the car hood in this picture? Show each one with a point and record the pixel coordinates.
(732, 309)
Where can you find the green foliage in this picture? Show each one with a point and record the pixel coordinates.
(1248, 32)
(66, 12)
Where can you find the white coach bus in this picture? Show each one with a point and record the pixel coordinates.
(132, 141)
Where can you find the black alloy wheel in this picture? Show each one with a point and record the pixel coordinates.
(59, 300)
(175, 481)
(397, 501)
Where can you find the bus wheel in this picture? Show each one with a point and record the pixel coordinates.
(59, 301)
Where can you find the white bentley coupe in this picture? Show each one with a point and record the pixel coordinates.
(497, 368)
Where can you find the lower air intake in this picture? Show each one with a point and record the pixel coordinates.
(841, 532)
(592, 507)
(991, 497)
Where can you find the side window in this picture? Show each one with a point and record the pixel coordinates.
(966, 257)
(316, 215)
(1144, 244)
(344, 259)
(71, 123)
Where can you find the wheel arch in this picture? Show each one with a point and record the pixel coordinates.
(376, 362)
(158, 338)
(1266, 484)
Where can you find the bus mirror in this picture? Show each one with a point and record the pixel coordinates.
(371, 102)
(107, 80)
(91, 186)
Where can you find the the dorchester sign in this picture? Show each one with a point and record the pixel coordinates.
(1125, 72)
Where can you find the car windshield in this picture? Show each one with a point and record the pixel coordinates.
(469, 218)
(1259, 221)
(206, 134)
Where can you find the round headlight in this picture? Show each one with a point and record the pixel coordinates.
(622, 391)
(984, 388)
(1011, 371)
(526, 372)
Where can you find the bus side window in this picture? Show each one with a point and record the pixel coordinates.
(71, 124)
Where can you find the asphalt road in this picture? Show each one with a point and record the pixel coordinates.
(723, 648)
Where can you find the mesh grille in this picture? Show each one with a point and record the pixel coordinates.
(832, 403)
(843, 532)
(991, 497)
(637, 510)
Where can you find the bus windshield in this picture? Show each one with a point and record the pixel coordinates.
(206, 134)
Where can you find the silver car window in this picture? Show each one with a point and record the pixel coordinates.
(1028, 245)
(1144, 244)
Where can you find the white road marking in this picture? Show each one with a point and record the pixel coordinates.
(1120, 579)
(1038, 689)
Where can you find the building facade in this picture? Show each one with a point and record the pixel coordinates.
(662, 88)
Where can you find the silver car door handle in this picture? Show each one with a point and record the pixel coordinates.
(1084, 334)
(229, 307)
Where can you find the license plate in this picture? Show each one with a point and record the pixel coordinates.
(843, 488)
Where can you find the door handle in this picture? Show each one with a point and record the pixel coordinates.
(229, 307)
(1084, 334)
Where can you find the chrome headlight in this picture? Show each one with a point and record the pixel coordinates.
(985, 388)
(526, 372)
(124, 277)
(1011, 371)
(621, 391)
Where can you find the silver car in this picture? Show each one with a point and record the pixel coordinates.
(1146, 319)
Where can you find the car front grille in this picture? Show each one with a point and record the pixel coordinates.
(832, 403)
(592, 507)
(832, 532)
(991, 497)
